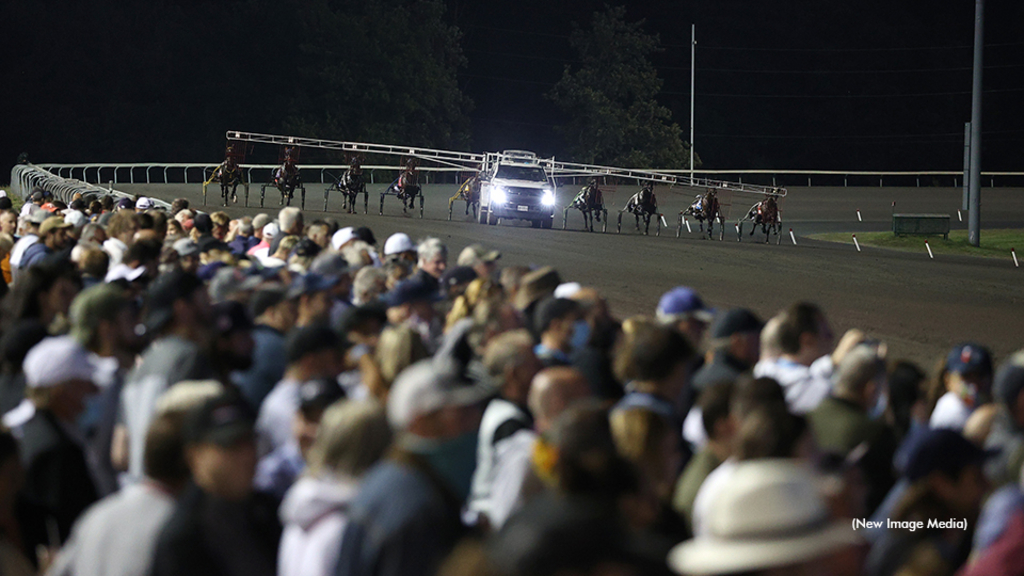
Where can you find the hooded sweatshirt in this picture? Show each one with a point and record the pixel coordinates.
(314, 513)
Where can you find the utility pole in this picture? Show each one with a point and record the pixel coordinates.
(974, 215)
(966, 205)
(693, 76)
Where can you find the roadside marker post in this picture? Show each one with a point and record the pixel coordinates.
(859, 219)
(792, 237)
(855, 243)
(960, 215)
(1015, 263)
(930, 255)
(687, 222)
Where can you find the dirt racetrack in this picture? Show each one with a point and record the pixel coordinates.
(921, 307)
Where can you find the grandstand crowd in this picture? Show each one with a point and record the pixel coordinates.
(186, 394)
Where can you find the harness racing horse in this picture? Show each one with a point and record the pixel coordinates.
(643, 204)
(229, 176)
(590, 201)
(470, 192)
(407, 188)
(351, 185)
(705, 208)
(286, 179)
(765, 214)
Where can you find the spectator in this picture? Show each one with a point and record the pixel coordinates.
(1008, 428)
(233, 345)
(592, 354)
(353, 436)
(432, 258)
(533, 287)
(244, 239)
(946, 482)
(120, 232)
(720, 431)
(512, 365)
(552, 392)
(267, 233)
(175, 314)
(42, 295)
(968, 384)
(805, 365)
(368, 285)
(400, 247)
(188, 255)
(454, 281)
(734, 348)
(98, 544)
(768, 519)
(313, 353)
(313, 296)
(103, 320)
(483, 261)
(274, 317)
(58, 376)
(397, 348)
(277, 471)
(683, 309)
(25, 524)
(411, 302)
(405, 518)
(850, 418)
(219, 525)
(319, 233)
(30, 236)
(177, 205)
(53, 239)
(559, 326)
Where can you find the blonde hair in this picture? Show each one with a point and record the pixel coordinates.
(6, 243)
(187, 394)
(351, 438)
(398, 348)
(479, 290)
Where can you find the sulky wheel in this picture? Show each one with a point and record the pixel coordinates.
(618, 227)
(421, 205)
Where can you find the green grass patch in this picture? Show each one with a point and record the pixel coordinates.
(994, 243)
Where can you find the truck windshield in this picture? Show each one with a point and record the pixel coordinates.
(530, 173)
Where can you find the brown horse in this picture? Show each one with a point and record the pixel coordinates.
(229, 175)
(643, 204)
(590, 201)
(765, 214)
(706, 207)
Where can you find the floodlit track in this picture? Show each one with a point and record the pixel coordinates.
(920, 306)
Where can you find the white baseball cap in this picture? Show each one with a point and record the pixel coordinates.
(271, 230)
(56, 360)
(144, 203)
(398, 243)
(124, 272)
(427, 386)
(567, 290)
(768, 514)
(75, 218)
(342, 237)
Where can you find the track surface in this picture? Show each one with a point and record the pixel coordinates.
(921, 307)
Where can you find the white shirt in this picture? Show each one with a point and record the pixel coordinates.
(19, 248)
(805, 386)
(512, 461)
(274, 424)
(693, 429)
(950, 412)
(116, 249)
(708, 493)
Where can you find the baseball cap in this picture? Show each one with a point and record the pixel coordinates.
(99, 302)
(319, 394)
(427, 386)
(735, 321)
(52, 223)
(223, 420)
(943, 450)
(186, 247)
(271, 231)
(567, 290)
(37, 196)
(163, 293)
(680, 303)
(37, 215)
(767, 514)
(144, 203)
(310, 283)
(969, 358)
(203, 223)
(552, 308)
(125, 272)
(306, 248)
(125, 203)
(415, 289)
(366, 235)
(536, 285)
(56, 360)
(1010, 379)
(475, 253)
(342, 237)
(458, 275)
(310, 339)
(231, 316)
(398, 243)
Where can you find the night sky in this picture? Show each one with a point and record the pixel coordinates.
(865, 85)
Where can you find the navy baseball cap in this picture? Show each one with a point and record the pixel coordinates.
(681, 302)
(736, 321)
(310, 283)
(319, 394)
(969, 358)
(457, 275)
(224, 420)
(943, 450)
(415, 289)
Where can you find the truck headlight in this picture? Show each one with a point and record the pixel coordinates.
(499, 196)
(548, 199)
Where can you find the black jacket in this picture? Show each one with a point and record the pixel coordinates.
(56, 473)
